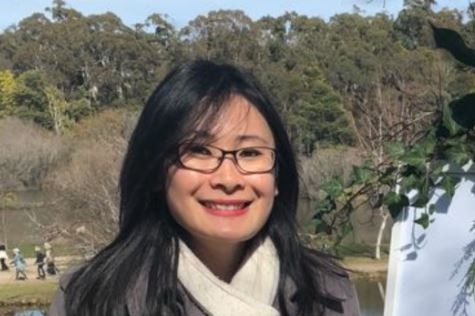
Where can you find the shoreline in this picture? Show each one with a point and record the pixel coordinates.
(365, 268)
(39, 293)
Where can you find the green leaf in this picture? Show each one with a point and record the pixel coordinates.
(320, 226)
(334, 188)
(449, 183)
(449, 123)
(395, 150)
(362, 174)
(412, 182)
(432, 209)
(436, 170)
(395, 203)
(424, 220)
(458, 154)
(422, 199)
(422, 194)
(427, 146)
(415, 157)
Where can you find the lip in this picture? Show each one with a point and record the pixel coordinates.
(226, 208)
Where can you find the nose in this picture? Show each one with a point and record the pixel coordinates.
(227, 177)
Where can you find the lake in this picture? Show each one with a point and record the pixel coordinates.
(371, 302)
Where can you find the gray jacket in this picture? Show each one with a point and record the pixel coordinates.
(340, 299)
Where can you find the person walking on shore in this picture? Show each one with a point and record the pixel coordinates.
(51, 268)
(20, 265)
(3, 258)
(40, 262)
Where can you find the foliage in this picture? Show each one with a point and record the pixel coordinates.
(324, 75)
(371, 82)
(416, 167)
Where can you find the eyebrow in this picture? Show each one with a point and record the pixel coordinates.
(203, 135)
(200, 135)
(253, 137)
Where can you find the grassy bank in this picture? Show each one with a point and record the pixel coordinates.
(27, 293)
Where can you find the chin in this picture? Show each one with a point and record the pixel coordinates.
(231, 237)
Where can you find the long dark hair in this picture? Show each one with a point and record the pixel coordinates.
(146, 247)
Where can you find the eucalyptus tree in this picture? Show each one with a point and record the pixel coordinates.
(222, 34)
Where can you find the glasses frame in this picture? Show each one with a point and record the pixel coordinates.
(233, 158)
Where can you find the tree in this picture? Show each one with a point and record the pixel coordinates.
(28, 154)
(7, 199)
(92, 206)
(56, 109)
(222, 35)
(8, 85)
(319, 116)
(423, 4)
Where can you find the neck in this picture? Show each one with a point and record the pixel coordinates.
(221, 258)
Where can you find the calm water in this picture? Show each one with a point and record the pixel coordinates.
(371, 303)
(29, 312)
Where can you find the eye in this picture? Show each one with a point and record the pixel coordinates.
(249, 152)
(198, 150)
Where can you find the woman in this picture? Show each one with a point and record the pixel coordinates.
(209, 190)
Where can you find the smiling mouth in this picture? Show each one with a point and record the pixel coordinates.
(225, 206)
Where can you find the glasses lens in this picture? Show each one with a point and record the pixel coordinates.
(199, 157)
(207, 158)
(256, 159)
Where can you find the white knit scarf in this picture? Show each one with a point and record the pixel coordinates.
(252, 289)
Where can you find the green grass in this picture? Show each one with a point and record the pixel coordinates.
(42, 292)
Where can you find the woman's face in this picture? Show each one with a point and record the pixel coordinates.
(225, 205)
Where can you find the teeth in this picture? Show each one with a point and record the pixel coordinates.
(225, 207)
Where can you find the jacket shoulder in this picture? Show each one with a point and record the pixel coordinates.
(57, 307)
(337, 290)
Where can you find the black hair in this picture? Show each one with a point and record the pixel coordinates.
(146, 246)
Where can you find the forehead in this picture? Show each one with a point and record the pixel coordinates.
(239, 121)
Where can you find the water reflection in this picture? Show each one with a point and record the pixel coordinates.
(22, 311)
(370, 298)
(30, 313)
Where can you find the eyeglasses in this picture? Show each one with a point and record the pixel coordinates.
(207, 158)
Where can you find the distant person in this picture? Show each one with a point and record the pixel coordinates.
(209, 190)
(3, 258)
(40, 262)
(51, 268)
(20, 265)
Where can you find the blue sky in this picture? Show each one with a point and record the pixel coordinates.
(182, 11)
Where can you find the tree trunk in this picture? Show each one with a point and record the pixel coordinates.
(4, 228)
(382, 226)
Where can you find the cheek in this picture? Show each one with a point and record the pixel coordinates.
(180, 185)
(264, 186)
(181, 180)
